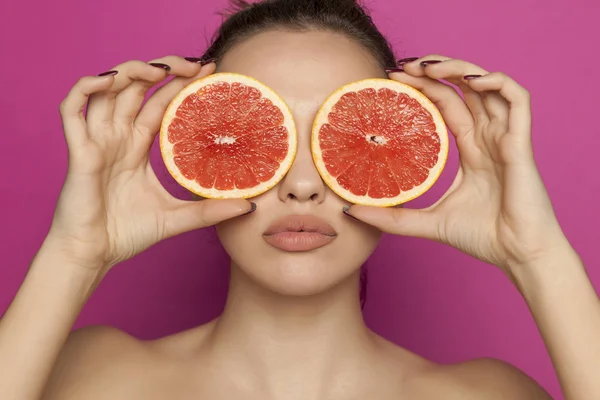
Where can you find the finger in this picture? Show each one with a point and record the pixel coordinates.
(71, 108)
(189, 215)
(131, 98)
(398, 221)
(149, 119)
(453, 71)
(515, 95)
(101, 105)
(454, 110)
(421, 66)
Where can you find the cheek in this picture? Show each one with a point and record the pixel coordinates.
(359, 241)
(238, 234)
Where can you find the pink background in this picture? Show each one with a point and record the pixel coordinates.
(424, 296)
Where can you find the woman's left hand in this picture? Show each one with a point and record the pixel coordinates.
(497, 209)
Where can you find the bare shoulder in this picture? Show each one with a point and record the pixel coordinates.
(100, 362)
(98, 357)
(481, 378)
(484, 378)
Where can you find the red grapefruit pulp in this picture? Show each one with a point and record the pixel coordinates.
(227, 136)
(379, 142)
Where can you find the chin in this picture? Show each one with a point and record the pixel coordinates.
(297, 274)
(300, 273)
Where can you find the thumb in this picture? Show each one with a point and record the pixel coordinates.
(191, 215)
(398, 221)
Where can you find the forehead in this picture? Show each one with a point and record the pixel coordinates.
(304, 68)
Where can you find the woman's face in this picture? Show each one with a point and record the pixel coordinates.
(304, 69)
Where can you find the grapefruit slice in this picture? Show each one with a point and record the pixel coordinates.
(227, 136)
(379, 142)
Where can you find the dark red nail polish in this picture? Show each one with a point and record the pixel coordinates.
(406, 60)
(468, 77)
(391, 70)
(252, 208)
(109, 73)
(210, 60)
(159, 65)
(429, 62)
(194, 60)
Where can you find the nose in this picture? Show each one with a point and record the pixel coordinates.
(302, 182)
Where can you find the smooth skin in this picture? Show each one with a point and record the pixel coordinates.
(273, 345)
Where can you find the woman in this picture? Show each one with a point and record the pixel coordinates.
(292, 326)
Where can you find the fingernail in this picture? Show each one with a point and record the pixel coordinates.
(346, 210)
(406, 60)
(429, 62)
(194, 60)
(159, 65)
(252, 208)
(109, 73)
(391, 70)
(468, 77)
(210, 60)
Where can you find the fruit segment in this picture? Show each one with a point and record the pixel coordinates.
(227, 136)
(379, 142)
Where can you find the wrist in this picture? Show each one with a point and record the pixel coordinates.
(556, 267)
(56, 259)
(71, 252)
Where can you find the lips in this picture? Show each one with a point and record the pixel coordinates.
(299, 233)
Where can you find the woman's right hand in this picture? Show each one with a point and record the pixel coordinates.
(112, 206)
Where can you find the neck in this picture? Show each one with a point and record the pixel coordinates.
(292, 344)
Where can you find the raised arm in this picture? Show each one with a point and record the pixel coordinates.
(111, 208)
(498, 211)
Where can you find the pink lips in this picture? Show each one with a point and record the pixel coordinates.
(299, 233)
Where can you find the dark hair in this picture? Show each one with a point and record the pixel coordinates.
(348, 17)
